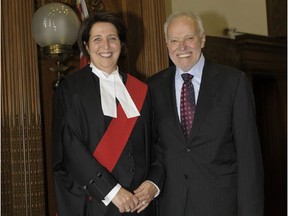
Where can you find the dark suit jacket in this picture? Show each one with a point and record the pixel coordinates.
(78, 126)
(218, 171)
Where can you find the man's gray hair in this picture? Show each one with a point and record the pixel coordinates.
(184, 14)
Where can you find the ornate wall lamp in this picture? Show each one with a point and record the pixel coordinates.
(55, 29)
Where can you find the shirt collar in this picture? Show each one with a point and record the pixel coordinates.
(196, 70)
(101, 74)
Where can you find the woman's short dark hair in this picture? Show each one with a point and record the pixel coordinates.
(100, 16)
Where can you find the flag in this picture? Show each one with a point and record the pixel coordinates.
(83, 14)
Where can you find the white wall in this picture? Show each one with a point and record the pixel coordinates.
(247, 16)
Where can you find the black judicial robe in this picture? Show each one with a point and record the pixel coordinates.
(78, 126)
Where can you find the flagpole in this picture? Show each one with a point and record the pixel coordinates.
(83, 14)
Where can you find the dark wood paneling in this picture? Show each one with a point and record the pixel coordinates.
(222, 50)
(277, 17)
(271, 118)
(264, 59)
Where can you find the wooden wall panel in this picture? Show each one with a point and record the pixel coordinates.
(268, 92)
(277, 17)
(147, 52)
(22, 173)
(265, 60)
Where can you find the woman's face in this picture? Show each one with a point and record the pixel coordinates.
(104, 46)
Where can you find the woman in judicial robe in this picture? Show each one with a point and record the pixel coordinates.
(105, 161)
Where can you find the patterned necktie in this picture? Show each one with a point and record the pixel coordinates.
(187, 104)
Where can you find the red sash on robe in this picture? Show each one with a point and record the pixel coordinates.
(116, 136)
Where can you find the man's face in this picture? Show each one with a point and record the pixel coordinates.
(184, 42)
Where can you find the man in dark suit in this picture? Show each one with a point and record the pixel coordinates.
(215, 167)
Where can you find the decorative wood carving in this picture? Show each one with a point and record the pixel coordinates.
(22, 182)
(263, 55)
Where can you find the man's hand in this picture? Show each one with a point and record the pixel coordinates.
(145, 194)
(125, 201)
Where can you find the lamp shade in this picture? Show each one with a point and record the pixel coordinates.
(55, 23)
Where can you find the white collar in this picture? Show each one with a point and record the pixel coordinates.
(112, 87)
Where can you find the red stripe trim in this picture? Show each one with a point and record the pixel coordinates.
(115, 138)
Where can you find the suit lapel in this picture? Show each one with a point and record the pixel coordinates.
(208, 87)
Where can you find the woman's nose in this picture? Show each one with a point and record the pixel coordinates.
(105, 43)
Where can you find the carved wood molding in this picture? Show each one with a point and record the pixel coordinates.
(263, 55)
(22, 183)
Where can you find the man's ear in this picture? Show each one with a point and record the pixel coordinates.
(203, 40)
